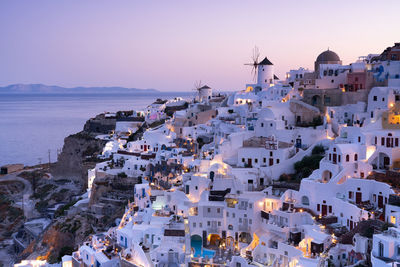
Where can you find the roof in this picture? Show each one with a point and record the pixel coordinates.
(276, 77)
(265, 61)
(205, 87)
(328, 55)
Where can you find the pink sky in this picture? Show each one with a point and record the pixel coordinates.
(168, 45)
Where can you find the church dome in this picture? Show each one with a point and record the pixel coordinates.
(328, 55)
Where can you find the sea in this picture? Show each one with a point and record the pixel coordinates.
(33, 126)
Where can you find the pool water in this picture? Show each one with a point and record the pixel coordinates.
(197, 245)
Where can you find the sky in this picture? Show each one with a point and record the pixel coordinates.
(169, 45)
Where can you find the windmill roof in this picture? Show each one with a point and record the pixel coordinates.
(276, 77)
(265, 61)
(205, 87)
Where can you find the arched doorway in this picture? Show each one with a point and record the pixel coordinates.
(214, 240)
(384, 161)
(326, 176)
(245, 237)
(316, 100)
(212, 174)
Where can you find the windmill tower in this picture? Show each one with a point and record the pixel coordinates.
(265, 71)
(204, 92)
(262, 70)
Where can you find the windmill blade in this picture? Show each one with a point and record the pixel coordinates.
(256, 55)
(197, 85)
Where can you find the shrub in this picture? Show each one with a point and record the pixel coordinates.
(307, 165)
(318, 150)
(122, 175)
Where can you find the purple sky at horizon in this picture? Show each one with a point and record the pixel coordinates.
(168, 45)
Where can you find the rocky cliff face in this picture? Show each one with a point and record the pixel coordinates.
(78, 155)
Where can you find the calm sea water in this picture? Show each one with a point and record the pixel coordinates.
(31, 125)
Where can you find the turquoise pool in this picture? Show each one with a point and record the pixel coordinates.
(197, 247)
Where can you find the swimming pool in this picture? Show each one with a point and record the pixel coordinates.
(198, 252)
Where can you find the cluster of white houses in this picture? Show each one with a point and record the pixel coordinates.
(214, 191)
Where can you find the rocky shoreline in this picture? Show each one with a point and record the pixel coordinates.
(53, 191)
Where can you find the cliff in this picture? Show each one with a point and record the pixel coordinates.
(79, 153)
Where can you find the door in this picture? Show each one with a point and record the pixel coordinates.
(380, 202)
(249, 162)
(324, 211)
(351, 225)
(386, 161)
(334, 158)
(358, 197)
(261, 181)
(271, 161)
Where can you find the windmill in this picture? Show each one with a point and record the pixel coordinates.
(197, 87)
(255, 56)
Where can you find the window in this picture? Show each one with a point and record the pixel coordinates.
(359, 139)
(243, 160)
(347, 158)
(227, 214)
(200, 225)
(355, 157)
(256, 160)
(264, 160)
(330, 156)
(262, 124)
(219, 223)
(250, 205)
(327, 100)
(271, 154)
(318, 207)
(382, 141)
(208, 223)
(305, 201)
(375, 98)
(218, 210)
(380, 249)
(194, 224)
(350, 194)
(208, 210)
(240, 220)
(233, 215)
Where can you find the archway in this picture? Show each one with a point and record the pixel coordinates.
(214, 240)
(326, 176)
(316, 100)
(384, 161)
(245, 237)
(212, 174)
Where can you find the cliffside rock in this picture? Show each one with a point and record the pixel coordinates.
(78, 155)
